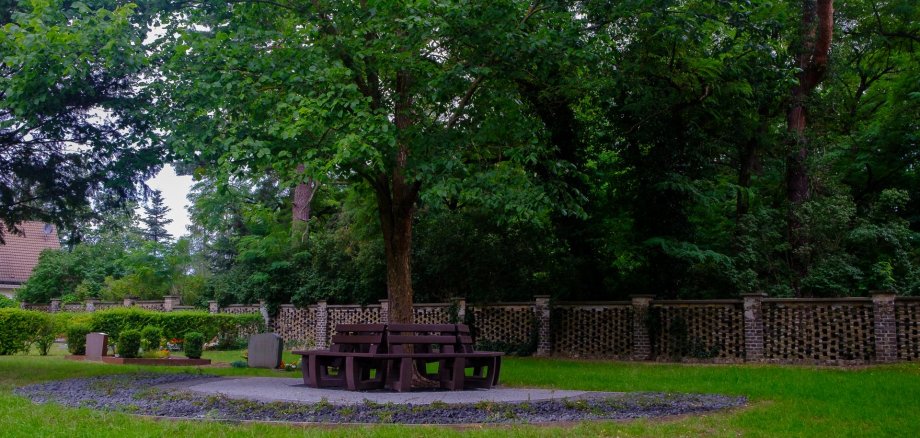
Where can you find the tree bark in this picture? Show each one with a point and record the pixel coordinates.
(300, 220)
(812, 59)
(396, 204)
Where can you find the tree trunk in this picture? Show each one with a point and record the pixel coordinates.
(300, 221)
(812, 59)
(396, 204)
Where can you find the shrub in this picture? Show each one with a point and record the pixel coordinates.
(175, 324)
(45, 336)
(194, 343)
(129, 343)
(76, 338)
(8, 303)
(19, 329)
(151, 337)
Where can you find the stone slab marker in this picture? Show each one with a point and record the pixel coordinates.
(97, 345)
(265, 350)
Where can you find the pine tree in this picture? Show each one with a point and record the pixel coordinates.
(155, 220)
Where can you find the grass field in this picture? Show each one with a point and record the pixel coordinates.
(784, 401)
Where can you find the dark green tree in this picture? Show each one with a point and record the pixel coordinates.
(73, 110)
(155, 220)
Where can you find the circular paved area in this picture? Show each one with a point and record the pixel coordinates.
(269, 389)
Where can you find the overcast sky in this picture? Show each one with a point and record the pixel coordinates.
(175, 188)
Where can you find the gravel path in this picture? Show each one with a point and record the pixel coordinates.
(162, 395)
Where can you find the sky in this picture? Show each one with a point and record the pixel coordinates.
(175, 188)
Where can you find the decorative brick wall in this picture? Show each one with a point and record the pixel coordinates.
(593, 330)
(907, 319)
(706, 330)
(840, 331)
(819, 330)
(296, 324)
(511, 323)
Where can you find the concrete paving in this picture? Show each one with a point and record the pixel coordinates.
(269, 389)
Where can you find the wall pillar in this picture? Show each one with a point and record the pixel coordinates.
(461, 310)
(320, 331)
(266, 316)
(886, 335)
(170, 302)
(55, 305)
(384, 311)
(753, 326)
(544, 328)
(91, 304)
(128, 302)
(642, 345)
(213, 307)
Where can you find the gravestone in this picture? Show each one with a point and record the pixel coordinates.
(265, 350)
(97, 345)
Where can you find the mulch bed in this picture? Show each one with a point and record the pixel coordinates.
(143, 394)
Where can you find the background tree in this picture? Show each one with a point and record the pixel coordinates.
(155, 220)
(73, 111)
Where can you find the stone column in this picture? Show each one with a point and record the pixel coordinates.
(128, 302)
(753, 326)
(170, 302)
(319, 332)
(542, 319)
(55, 305)
(91, 304)
(642, 345)
(886, 335)
(384, 311)
(213, 307)
(461, 310)
(266, 317)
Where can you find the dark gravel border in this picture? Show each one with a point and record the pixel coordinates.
(141, 394)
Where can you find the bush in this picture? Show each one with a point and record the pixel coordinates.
(193, 345)
(151, 337)
(76, 338)
(45, 336)
(19, 329)
(8, 303)
(175, 324)
(129, 343)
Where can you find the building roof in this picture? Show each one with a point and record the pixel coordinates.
(20, 254)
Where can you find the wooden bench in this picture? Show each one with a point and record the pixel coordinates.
(354, 347)
(370, 356)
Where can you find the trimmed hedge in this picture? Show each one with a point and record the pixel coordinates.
(174, 324)
(76, 338)
(20, 328)
(129, 343)
(151, 338)
(193, 345)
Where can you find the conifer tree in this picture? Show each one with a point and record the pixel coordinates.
(155, 220)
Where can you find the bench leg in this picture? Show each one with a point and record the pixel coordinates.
(497, 366)
(352, 374)
(313, 375)
(405, 375)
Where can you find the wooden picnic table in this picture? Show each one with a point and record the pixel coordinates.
(372, 356)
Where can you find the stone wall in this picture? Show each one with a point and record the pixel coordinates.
(842, 331)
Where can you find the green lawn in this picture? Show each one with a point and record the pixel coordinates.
(785, 401)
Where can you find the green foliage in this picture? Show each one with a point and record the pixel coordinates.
(8, 303)
(20, 328)
(151, 337)
(174, 324)
(63, 60)
(76, 338)
(129, 343)
(46, 335)
(193, 345)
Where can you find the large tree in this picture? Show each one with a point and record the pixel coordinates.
(398, 97)
(72, 111)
